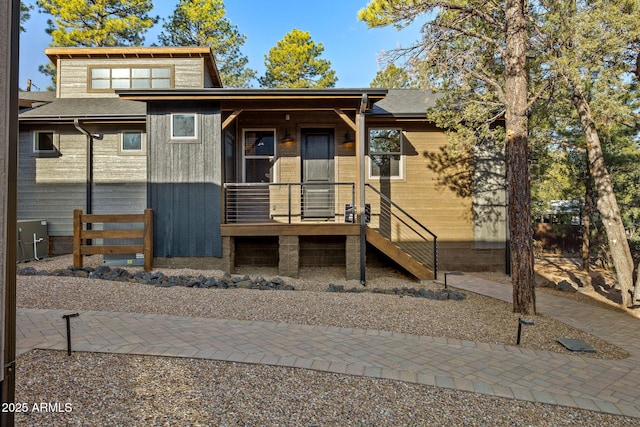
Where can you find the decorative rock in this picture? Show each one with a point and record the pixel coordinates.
(244, 284)
(335, 288)
(27, 271)
(565, 286)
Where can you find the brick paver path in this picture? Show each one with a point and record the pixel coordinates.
(611, 386)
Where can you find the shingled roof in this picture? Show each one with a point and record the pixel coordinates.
(406, 103)
(63, 109)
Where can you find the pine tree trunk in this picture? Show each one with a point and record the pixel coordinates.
(585, 249)
(636, 292)
(517, 153)
(606, 199)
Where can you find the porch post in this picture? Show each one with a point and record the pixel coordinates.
(360, 200)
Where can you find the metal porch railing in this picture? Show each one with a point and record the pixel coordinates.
(287, 202)
(401, 229)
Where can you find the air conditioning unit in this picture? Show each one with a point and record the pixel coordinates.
(32, 240)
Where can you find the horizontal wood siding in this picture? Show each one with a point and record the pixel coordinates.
(442, 204)
(120, 178)
(72, 81)
(185, 181)
(51, 188)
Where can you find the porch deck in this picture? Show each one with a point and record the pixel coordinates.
(284, 229)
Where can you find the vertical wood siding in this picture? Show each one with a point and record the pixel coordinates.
(185, 181)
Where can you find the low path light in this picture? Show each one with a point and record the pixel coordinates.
(521, 322)
(67, 317)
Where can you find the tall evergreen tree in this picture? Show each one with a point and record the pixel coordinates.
(588, 46)
(295, 63)
(95, 23)
(395, 77)
(98, 23)
(25, 14)
(203, 23)
(475, 52)
(495, 59)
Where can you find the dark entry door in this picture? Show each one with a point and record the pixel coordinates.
(317, 173)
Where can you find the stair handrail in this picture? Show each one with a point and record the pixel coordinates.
(417, 223)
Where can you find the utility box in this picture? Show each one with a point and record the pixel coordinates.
(32, 240)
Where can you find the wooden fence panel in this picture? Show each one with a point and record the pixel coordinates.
(81, 235)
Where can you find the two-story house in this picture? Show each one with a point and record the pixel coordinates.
(286, 177)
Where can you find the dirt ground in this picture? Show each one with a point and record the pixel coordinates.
(598, 287)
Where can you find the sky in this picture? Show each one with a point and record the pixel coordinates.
(349, 45)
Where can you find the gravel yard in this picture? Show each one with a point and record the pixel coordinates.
(134, 390)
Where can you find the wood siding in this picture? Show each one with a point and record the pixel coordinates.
(50, 188)
(466, 240)
(73, 74)
(185, 180)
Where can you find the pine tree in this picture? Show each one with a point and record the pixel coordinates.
(98, 23)
(203, 23)
(474, 51)
(295, 63)
(395, 77)
(103, 23)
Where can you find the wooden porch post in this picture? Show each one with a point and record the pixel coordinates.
(77, 240)
(148, 239)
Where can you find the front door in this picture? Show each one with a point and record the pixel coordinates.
(317, 173)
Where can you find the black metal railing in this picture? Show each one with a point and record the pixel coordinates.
(403, 230)
(287, 202)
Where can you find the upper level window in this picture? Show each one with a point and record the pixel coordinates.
(385, 153)
(105, 78)
(43, 142)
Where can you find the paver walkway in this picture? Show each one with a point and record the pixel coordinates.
(611, 386)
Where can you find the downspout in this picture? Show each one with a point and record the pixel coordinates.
(89, 179)
(361, 206)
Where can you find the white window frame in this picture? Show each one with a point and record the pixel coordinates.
(400, 153)
(193, 138)
(271, 158)
(143, 143)
(54, 137)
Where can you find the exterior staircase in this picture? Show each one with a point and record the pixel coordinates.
(402, 238)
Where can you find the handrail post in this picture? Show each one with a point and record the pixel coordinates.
(225, 199)
(289, 197)
(77, 238)
(435, 258)
(148, 239)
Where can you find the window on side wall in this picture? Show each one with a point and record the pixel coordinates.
(385, 153)
(44, 143)
(132, 143)
(184, 126)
